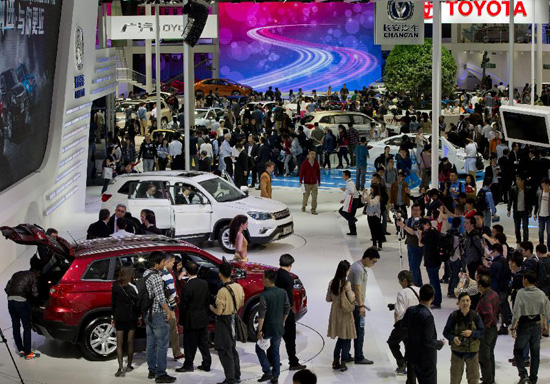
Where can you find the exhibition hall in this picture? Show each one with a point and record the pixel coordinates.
(299, 192)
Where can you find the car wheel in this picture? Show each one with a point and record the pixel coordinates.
(235, 93)
(223, 240)
(164, 123)
(199, 94)
(252, 323)
(99, 339)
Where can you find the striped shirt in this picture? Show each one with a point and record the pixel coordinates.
(169, 288)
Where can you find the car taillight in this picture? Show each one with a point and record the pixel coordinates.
(105, 197)
(309, 126)
(369, 147)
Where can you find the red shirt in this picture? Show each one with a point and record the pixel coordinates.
(310, 174)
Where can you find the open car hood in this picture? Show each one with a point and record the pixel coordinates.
(32, 234)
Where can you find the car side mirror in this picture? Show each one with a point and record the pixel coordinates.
(244, 189)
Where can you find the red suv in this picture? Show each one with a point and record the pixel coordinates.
(75, 285)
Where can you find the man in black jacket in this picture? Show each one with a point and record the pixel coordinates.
(120, 213)
(286, 282)
(100, 228)
(23, 287)
(506, 174)
(428, 238)
(422, 344)
(262, 156)
(251, 149)
(521, 202)
(194, 319)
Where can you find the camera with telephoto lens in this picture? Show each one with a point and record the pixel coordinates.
(391, 307)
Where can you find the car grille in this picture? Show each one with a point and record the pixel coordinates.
(282, 214)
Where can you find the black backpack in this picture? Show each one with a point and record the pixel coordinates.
(144, 302)
(481, 201)
(445, 245)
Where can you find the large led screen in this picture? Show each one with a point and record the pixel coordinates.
(299, 45)
(29, 31)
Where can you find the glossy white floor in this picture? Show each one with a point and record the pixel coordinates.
(318, 245)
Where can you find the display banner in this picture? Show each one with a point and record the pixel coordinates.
(143, 27)
(399, 22)
(29, 30)
(489, 11)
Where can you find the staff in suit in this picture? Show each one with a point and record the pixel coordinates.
(120, 213)
(252, 151)
(422, 344)
(241, 167)
(194, 318)
(99, 228)
(262, 157)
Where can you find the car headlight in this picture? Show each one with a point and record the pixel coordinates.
(260, 215)
(298, 284)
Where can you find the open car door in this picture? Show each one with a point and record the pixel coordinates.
(32, 234)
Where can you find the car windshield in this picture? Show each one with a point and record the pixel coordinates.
(200, 114)
(221, 190)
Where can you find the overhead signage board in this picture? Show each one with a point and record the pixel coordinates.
(489, 11)
(399, 22)
(144, 27)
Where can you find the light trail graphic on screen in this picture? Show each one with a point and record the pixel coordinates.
(296, 45)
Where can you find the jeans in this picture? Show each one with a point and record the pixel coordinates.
(528, 335)
(544, 225)
(487, 355)
(343, 154)
(487, 218)
(358, 342)
(341, 349)
(415, 259)
(521, 219)
(433, 274)
(157, 343)
(360, 177)
(319, 153)
(455, 270)
(148, 165)
(20, 313)
(272, 357)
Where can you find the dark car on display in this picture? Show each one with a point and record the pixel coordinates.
(28, 80)
(75, 285)
(15, 100)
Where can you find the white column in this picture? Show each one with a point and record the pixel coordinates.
(436, 87)
(148, 58)
(189, 95)
(540, 28)
(216, 44)
(533, 63)
(157, 64)
(511, 42)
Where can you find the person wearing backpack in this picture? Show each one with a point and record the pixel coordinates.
(229, 299)
(520, 203)
(156, 314)
(463, 330)
(501, 275)
(428, 238)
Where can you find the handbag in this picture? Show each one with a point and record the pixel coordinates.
(241, 331)
(347, 305)
(107, 173)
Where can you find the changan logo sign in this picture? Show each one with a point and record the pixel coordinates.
(489, 11)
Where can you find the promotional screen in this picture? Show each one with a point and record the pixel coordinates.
(29, 31)
(299, 45)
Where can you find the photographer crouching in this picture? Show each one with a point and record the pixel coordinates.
(464, 329)
(414, 251)
(407, 297)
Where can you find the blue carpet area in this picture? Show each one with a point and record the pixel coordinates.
(332, 178)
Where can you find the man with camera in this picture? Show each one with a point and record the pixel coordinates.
(407, 297)
(414, 251)
(464, 329)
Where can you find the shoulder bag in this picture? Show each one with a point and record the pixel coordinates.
(347, 305)
(241, 331)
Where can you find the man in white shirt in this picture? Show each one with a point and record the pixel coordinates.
(475, 100)
(471, 155)
(121, 229)
(349, 202)
(226, 151)
(175, 150)
(407, 297)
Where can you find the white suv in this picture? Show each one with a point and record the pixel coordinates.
(331, 119)
(198, 205)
